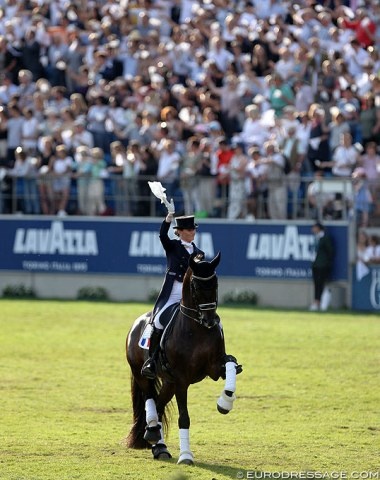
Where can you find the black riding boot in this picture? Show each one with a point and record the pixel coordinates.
(149, 368)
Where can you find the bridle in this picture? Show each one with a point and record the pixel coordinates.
(196, 313)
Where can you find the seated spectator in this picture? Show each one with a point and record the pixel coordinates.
(373, 249)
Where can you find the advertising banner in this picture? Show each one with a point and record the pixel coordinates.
(128, 246)
(366, 287)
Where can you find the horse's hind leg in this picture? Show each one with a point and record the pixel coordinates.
(159, 450)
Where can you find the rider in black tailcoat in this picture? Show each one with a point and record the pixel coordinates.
(178, 252)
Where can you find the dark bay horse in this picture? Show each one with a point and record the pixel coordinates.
(192, 348)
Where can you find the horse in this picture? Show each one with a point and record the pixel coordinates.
(192, 348)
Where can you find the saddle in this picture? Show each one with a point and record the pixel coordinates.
(165, 319)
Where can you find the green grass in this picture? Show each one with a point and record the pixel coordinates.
(306, 401)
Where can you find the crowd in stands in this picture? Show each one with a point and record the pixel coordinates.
(241, 108)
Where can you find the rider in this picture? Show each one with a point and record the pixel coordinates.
(178, 252)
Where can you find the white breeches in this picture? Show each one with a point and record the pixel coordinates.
(175, 297)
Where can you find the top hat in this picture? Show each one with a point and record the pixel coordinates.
(185, 223)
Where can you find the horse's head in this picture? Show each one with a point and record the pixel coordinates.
(204, 289)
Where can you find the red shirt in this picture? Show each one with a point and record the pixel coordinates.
(224, 158)
(365, 30)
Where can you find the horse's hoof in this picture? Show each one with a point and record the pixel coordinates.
(160, 452)
(225, 403)
(152, 434)
(186, 458)
(223, 411)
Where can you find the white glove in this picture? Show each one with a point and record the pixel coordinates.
(169, 206)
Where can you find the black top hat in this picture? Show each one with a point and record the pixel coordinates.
(185, 223)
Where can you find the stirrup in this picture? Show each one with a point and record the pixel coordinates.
(148, 370)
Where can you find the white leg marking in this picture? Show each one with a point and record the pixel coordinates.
(151, 412)
(185, 454)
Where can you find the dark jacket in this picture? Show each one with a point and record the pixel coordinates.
(324, 253)
(177, 260)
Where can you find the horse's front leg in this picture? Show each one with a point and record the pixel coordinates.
(185, 455)
(227, 397)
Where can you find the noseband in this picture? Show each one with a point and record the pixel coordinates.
(196, 313)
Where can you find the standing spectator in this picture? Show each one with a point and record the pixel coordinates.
(277, 190)
(14, 137)
(44, 181)
(344, 158)
(237, 196)
(223, 155)
(26, 89)
(31, 54)
(61, 168)
(322, 263)
(230, 103)
(370, 162)
(7, 89)
(168, 167)
(368, 118)
(318, 148)
(83, 164)
(206, 179)
(363, 26)
(81, 136)
(280, 94)
(3, 136)
(188, 179)
(96, 200)
(147, 167)
(97, 115)
(291, 150)
(29, 131)
(363, 200)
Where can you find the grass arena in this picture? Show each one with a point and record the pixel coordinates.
(306, 407)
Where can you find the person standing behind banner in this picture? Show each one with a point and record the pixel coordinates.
(177, 256)
(321, 265)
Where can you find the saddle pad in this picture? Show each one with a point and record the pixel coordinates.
(144, 341)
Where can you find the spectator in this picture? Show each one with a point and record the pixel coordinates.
(95, 194)
(280, 94)
(322, 263)
(363, 201)
(190, 163)
(373, 249)
(370, 162)
(46, 152)
(3, 136)
(363, 26)
(61, 167)
(344, 158)
(237, 195)
(318, 148)
(168, 167)
(25, 170)
(275, 175)
(29, 131)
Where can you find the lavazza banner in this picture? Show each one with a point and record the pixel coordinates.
(131, 246)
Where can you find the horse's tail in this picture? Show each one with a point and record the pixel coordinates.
(135, 439)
